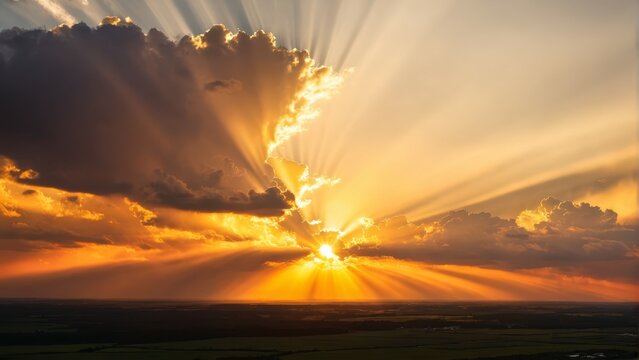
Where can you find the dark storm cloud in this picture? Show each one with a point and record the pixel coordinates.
(110, 110)
(206, 194)
(175, 193)
(578, 238)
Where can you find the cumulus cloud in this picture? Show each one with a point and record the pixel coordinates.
(34, 218)
(112, 110)
(575, 237)
(45, 218)
(171, 191)
(565, 215)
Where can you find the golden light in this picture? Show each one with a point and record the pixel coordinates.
(306, 160)
(327, 251)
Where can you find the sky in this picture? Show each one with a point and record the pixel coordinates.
(319, 150)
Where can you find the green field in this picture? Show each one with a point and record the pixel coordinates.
(395, 344)
(57, 329)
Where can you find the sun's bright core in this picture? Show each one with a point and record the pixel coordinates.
(327, 251)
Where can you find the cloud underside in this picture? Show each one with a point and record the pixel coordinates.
(111, 110)
(578, 238)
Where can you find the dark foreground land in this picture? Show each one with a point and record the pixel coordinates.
(39, 329)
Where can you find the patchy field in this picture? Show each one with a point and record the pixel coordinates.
(135, 330)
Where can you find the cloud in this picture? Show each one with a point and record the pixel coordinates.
(553, 215)
(298, 179)
(173, 192)
(571, 186)
(578, 238)
(48, 218)
(223, 85)
(20, 235)
(111, 110)
(42, 218)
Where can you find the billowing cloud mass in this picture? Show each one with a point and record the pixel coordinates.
(560, 234)
(111, 110)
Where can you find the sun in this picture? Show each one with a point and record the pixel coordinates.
(325, 259)
(327, 251)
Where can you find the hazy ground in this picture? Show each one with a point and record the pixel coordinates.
(31, 329)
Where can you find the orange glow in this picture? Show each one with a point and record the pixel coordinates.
(365, 278)
(352, 230)
(321, 275)
(53, 260)
(623, 197)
